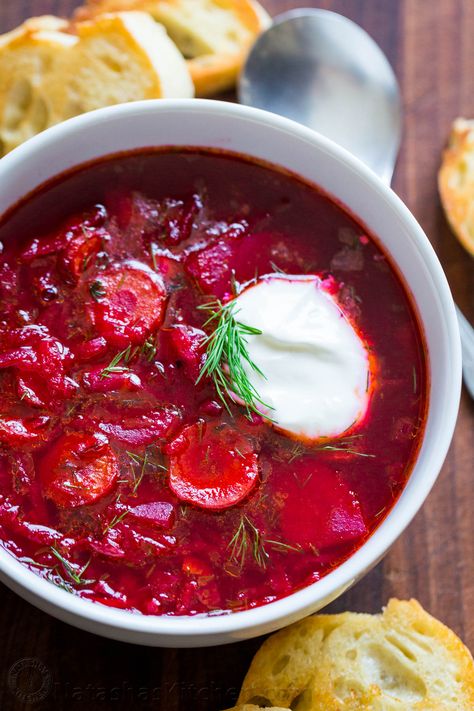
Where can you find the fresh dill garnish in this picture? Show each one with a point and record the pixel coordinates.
(69, 569)
(283, 547)
(247, 539)
(114, 365)
(297, 451)
(227, 354)
(348, 450)
(97, 290)
(277, 269)
(303, 483)
(241, 454)
(119, 363)
(138, 480)
(116, 520)
(148, 350)
(144, 462)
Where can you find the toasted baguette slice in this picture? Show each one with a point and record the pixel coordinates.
(120, 57)
(401, 660)
(214, 35)
(456, 182)
(28, 57)
(48, 73)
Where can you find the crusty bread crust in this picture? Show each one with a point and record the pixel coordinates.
(214, 35)
(401, 660)
(50, 71)
(456, 182)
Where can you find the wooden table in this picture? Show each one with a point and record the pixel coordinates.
(430, 46)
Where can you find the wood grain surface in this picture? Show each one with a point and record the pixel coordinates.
(431, 48)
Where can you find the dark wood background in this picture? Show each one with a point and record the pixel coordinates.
(430, 45)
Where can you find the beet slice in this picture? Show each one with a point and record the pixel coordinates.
(320, 510)
(16, 431)
(141, 430)
(40, 360)
(127, 303)
(157, 513)
(188, 344)
(68, 231)
(212, 465)
(79, 469)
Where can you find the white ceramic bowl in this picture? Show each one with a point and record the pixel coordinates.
(282, 142)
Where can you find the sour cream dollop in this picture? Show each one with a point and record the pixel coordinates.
(316, 367)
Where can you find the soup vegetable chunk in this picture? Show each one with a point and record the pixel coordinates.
(213, 383)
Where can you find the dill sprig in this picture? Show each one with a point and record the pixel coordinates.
(247, 539)
(70, 570)
(114, 365)
(144, 462)
(227, 354)
(119, 363)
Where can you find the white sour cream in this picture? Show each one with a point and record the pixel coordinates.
(316, 367)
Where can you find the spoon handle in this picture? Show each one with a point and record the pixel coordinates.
(467, 343)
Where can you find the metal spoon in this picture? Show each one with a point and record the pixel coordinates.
(323, 70)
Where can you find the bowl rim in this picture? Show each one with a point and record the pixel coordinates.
(237, 624)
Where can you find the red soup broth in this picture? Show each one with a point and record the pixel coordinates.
(104, 431)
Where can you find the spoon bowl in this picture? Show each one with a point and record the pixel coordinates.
(323, 70)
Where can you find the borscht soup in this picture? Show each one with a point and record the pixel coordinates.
(213, 382)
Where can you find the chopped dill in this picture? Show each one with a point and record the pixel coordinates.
(69, 569)
(114, 522)
(297, 451)
(114, 365)
(119, 363)
(277, 269)
(345, 445)
(226, 350)
(148, 350)
(144, 462)
(283, 547)
(247, 540)
(97, 290)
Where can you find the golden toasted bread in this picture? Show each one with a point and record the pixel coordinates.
(49, 73)
(122, 57)
(214, 35)
(28, 57)
(456, 182)
(401, 660)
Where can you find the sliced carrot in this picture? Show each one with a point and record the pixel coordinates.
(79, 469)
(127, 303)
(213, 465)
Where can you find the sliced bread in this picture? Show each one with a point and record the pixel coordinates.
(50, 72)
(456, 182)
(29, 56)
(214, 35)
(401, 660)
(120, 57)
